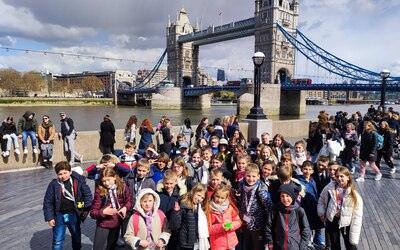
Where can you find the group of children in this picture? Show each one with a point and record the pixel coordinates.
(220, 200)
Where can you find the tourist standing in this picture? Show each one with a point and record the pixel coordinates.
(146, 132)
(187, 131)
(68, 134)
(387, 150)
(130, 129)
(46, 134)
(107, 135)
(27, 126)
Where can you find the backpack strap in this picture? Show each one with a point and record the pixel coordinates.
(162, 216)
(135, 220)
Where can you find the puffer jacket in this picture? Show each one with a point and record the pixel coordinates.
(369, 145)
(159, 230)
(99, 203)
(185, 221)
(349, 215)
(219, 238)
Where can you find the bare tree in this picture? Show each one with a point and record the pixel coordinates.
(91, 84)
(34, 81)
(11, 81)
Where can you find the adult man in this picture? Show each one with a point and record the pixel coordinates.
(68, 134)
(265, 139)
(27, 126)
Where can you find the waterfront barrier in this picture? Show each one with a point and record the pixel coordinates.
(87, 143)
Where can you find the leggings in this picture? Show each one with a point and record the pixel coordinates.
(103, 235)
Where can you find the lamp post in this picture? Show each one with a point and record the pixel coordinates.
(256, 112)
(385, 73)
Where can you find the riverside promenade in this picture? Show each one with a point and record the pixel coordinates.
(22, 225)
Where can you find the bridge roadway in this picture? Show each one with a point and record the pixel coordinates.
(22, 225)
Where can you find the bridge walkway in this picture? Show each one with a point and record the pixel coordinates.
(22, 225)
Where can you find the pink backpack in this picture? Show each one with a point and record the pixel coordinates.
(135, 220)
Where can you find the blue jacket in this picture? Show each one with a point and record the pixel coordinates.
(52, 198)
(158, 173)
(310, 202)
(146, 137)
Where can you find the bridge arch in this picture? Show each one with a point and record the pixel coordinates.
(187, 80)
(282, 76)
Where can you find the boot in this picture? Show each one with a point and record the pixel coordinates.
(46, 164)
(50, 164)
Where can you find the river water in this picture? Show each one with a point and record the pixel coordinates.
(88, 118)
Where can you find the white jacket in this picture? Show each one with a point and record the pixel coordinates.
(349, 215)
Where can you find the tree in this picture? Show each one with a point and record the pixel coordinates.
(11, 80)
(33, 81)
(91, 84)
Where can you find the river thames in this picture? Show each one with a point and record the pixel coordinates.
(88, 118)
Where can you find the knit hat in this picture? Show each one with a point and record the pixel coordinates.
(223, 141)
(288, 189)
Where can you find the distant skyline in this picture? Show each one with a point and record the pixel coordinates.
(363, 32)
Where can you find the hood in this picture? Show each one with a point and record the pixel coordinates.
(27, 114)
(179, 190)
(144, 191)
(292, 207)
(300, 187)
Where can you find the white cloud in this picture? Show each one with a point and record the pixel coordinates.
(7, 41)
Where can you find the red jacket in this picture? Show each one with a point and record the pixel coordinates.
(219, 238)
(109, 221)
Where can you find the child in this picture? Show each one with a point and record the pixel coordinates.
(180, 138)
(110, 204)
(216, 178)
(268, 172)
(341, 208)
(184, 151)
(150, 153)
(299, 155)
(214, 142)
(159, 167)
(284, 174)
(106, 161)
(180, 168)
(147, 228)
(129, 158)
(242, 163)
(217, 161)
(321, 175)
(189, 218)
(310, 201)
(254, 206)
(197, 169)
(223, 147)
(223, 219)
(265, 154)
(289, 225)
(67, 202)
(140, 178)
(207, 153)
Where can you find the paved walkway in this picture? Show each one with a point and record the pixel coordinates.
(22, 225)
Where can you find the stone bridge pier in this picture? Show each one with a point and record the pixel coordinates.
(173, 98)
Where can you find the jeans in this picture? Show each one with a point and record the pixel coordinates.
(25, 135)
(74, 227)
(69, 148)
(12, 138)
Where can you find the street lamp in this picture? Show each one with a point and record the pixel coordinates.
(385, 73)
(256, 112)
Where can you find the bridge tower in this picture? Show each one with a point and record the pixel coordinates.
(183, 58)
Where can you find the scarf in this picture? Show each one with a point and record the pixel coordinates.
(47, 125)
(114, 196)
(149, 219)
(247, 188)
(202, 229)
(239, 175)
(220, 208)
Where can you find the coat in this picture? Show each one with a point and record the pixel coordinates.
(350, 215)
(309, 203)
(146, 137)
(131, 181)
(42, 132)
(52, 198)
(159, 230)
(185, 221)
(7, 129)
(99, 203)
(369, 145)
(219, 238)
(350, 143)
(167, 201)
(167, 138)
(24, 119)
(290, 229)
(107, 133)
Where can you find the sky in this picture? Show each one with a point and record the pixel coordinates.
(363, 32)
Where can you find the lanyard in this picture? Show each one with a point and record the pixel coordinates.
(66, 193)
(138, 187)
(339, 199)
(113, 197)
(250, 201)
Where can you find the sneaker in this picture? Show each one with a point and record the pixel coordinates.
(3, 153)
(393, 170)
(35, 151)
(25, 151)
(360, 179)
(81, 160)
(352, 170)
(17, 151)
(7, 153)
(120, 242)
(378, 176)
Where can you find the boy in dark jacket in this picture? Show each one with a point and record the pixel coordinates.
(66, 203)
(106, 161)
(288, 222)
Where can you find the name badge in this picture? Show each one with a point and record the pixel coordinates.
(246, 218)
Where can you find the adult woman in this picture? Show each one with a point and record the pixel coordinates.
(239, 138)
(146, 132)
(387, 150)
(8, 132)
(130, 129)
(180, 168)
(107, 135)
(280, 146)
(350, 140)
(368, 151)
(167, 136)
(46, 134)
(201, 128)
(187, 131)
(218, 129)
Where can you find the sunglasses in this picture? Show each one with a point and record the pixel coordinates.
(45, 118)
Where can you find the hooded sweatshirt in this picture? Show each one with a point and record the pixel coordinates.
(155, 227)
(26, 124)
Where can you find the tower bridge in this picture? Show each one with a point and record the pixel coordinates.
(274, 27)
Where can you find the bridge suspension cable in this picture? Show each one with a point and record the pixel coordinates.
(150, 76)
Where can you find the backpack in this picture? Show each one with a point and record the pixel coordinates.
(380, 140)
(135, 220)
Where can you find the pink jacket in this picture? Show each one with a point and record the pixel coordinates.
(219, 238)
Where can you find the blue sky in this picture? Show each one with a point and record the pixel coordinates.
(363, 32)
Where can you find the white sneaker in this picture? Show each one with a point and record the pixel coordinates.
(25, 151)
(353, 170)
(378, 176)
(393, 170)
(360, 179)
(81, 160)
(3, 154)
(35, 151)
(17, 151)
(7, 153)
